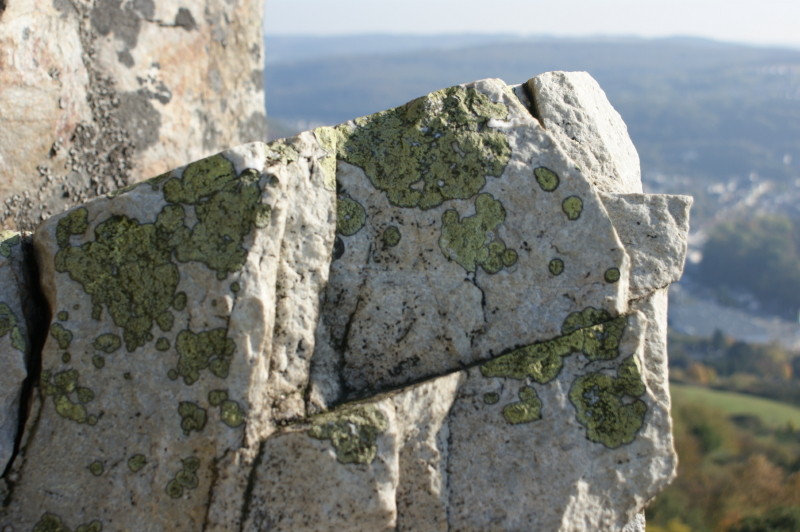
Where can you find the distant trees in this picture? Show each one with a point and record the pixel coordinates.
(733, 476)
(760, 255)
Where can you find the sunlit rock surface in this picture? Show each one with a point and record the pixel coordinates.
(446, 316)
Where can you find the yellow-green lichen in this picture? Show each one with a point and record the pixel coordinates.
(235, 287)
(63, 315)
(391, 236)
(611, 275)
(526, 410)
(107, 343)
(547, 179)
(8, 239)
(352, 430)
(472, 241)
(592, 332)
(350, 216)
(231, 413)
(608, 406)
(98, 361)
(491, 398)
(53, 523)
(76, 222)
(216, 397)
(185, 479)
(572, 207)
(227, 207)
(179, 303)
(69, 398)
(66, 357)
(193, 417)
(162, 344)
(96, 468)
(556, 267)
(9, 324)
(128, 268)
(210, 350)
(61, 335)
(429, 150)
(136, 463)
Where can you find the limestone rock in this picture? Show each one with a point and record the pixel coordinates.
(575, 111)
(431, 318)
(100, 94)
(161, 345)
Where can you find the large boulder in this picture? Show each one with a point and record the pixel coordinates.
(446, 316)
(102, 93)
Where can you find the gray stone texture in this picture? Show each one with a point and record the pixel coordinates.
(445, 316)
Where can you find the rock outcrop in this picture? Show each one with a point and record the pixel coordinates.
(98, 94)
(446, 316)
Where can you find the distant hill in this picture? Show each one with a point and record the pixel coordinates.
(704, 110)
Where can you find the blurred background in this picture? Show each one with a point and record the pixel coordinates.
(710, 92)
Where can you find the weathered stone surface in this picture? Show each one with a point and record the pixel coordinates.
(160, 349)
(575, 111)
(102, 93)
(432, 318)
(14, 343)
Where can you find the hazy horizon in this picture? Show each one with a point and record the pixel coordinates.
(767, 23)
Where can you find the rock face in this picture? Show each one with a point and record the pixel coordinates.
(101, 93)
(446, 316)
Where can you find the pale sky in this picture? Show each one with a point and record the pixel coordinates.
(749, 21)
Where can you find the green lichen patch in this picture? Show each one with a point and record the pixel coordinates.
(68, 397)
(556, 267)
(53, 523)
(528, 409)
(61, 335)
(592, 332)
(350, 216)
(433, 149)
(547, 179)
(352, 430)
(235, 287)
(471, 241)
(107, 343)
(9, 324)
(193, 417)
(63, 315)
(227, 207)
(608, 406)
(96, 468)
(185, 479)
(216, 397)
(162, 344)
(611, 275)
(76, 222)
(231, 413)
(8, 239)
(136, 463)
(391, 236)
(128, 270)
(98, 361)
(572, 207)
(179, 303)
(210, 350)
(66, 357)
(491, 398)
